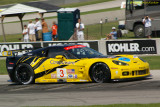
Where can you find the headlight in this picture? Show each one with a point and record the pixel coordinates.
(119, 63)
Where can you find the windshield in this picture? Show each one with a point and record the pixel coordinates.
(85, 52)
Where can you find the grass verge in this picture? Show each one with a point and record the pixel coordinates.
(101, 10)
(152, 60)
(112, 105)
(3, 69)
(84, 3)
(12, 38)
(94, 31)
(4, 2)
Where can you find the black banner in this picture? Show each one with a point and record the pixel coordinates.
(17, 46)
(131, 47)
(91, 44)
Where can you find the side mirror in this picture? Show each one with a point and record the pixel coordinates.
(60, 57)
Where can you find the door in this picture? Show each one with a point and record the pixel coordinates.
(59, 65)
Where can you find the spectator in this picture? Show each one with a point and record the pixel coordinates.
(54, 31)
(80, 29)
(25, 34)
(147, 24)
(31, 30)
(44, 26)
(113, 34)
(38, 28)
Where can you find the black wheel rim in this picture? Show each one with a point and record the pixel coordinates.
(99, 74)
(23, 74)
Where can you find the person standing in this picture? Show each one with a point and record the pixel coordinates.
(44, 26)
(31, 31)
(25, 34)
(147, 24)
(38, 27)
(54, 31)
(80, 29)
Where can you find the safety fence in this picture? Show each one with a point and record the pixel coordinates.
(110, 47)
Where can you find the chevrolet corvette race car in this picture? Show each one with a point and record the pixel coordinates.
(72, 63)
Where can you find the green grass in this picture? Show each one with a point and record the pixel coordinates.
(3, 69)
(101, 10)
(112, 105)
(12, 38)
(85, 3)
(4, 2)
(154, 62)
(94, 31)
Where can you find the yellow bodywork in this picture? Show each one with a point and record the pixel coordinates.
(77, 70)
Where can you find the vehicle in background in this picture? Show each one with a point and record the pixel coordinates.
(136, 10)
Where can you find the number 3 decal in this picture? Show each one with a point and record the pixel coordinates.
(61, 73)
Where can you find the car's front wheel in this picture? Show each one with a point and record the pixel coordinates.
(100, 73)
(24, 74)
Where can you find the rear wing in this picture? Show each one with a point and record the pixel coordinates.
(16, 52)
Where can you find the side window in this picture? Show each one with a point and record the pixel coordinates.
(69, 55)
(53, 52)
(138, 4)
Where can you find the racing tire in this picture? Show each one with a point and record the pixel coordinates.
(139, 31)
(24, 74)
(100, 73)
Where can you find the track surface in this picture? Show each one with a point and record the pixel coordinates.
(139, 91)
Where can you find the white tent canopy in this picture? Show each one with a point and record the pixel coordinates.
(21, 9)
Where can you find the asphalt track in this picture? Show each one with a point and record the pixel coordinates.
(137, 91)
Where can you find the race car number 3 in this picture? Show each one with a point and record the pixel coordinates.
(61, 73)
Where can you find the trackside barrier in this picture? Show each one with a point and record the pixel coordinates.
(111, 47)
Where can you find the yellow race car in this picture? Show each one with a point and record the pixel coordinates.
(72, 63)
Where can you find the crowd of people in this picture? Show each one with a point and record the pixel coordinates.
(34, 31)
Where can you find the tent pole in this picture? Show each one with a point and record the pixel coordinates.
(4, 36)
(41, 15)
(20, 16)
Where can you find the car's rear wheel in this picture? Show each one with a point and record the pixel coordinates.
(24, 74)
(100, 73)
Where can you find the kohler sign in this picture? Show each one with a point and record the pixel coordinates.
(131, 47)
(17, 46)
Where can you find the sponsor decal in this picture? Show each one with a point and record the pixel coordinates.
(124, 59)
(61, 73)
(131, 47)
(91, 44)
(62, 62)
(75, 76)
(70, 71)
(18, 46)
(70, 75)
(10, 67)
(53, 75)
